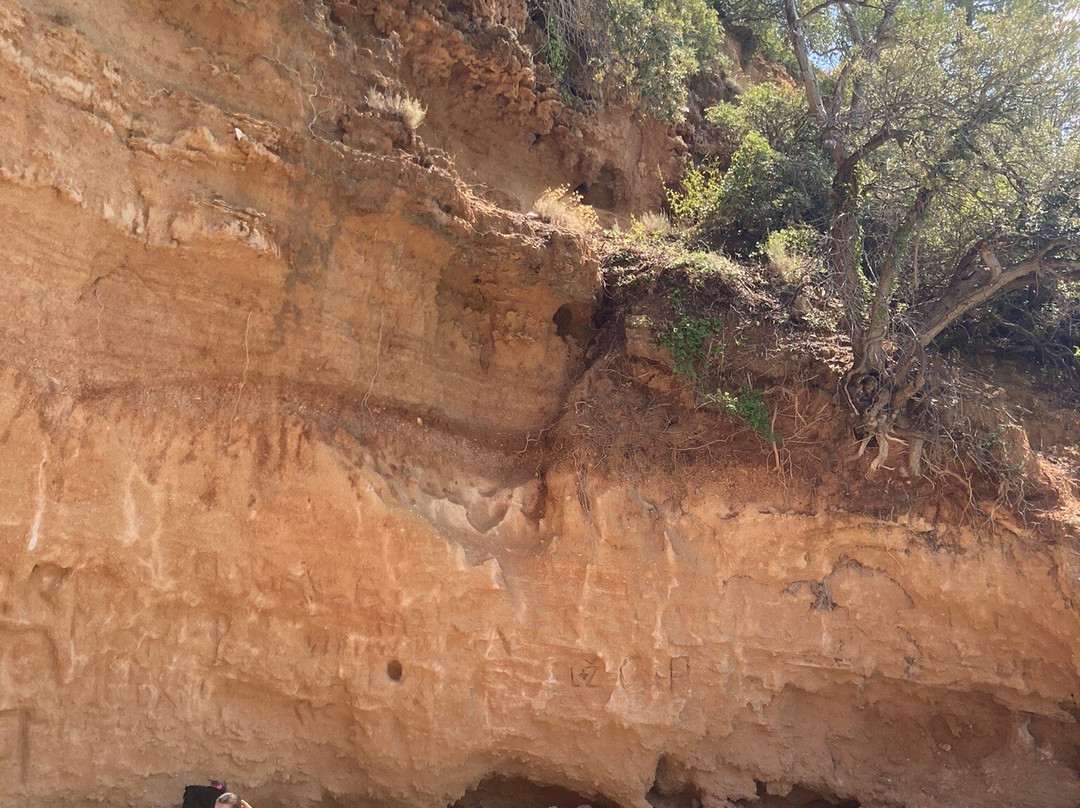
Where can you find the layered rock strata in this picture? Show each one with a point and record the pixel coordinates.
(275, 387)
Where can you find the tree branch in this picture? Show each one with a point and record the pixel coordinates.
(870, 351)
(873, 144)
(843, 7)
(852, 24)
(810, 82)
(991, 260)
(966, 294)
(870, 52)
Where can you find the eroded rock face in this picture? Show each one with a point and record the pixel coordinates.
(273, 508)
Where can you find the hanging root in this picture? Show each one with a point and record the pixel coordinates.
(883, 451)
(883, 439)
(915, 453)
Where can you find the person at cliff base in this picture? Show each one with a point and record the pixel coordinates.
(230, 800)
(203, 796)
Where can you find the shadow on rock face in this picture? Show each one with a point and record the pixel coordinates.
(518, 792)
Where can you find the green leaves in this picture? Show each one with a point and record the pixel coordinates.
(640, 51)
(748, 406)
(688, 337)
(776, 175)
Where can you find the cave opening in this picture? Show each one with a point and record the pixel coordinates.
(563, 319)
(498, 791)
(574, 320)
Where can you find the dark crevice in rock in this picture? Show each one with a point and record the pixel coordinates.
(498, 791)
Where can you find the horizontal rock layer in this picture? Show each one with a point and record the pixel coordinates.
(273, 506)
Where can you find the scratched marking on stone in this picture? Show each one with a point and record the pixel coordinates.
(584, 675)
(680, 674)
(35, 527)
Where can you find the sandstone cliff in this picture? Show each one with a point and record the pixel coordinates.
(297, 487)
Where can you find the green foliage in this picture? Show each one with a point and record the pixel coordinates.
(700, 196)
(642, 51)
(701, 268)
(949, 125)
(553, 46)
(658, 46)
(776, 175)
(692, 332)
(747, 405)
(730, 122)
(753, 196)
(689, 337)
(993, 440)
(775, 111)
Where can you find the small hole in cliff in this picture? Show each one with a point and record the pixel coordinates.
(601, 193)
(394, 670)
(574, 321)
(563, 320)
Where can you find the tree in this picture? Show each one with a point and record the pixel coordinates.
(953, 132)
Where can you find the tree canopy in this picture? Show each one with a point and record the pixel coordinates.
(952, 132)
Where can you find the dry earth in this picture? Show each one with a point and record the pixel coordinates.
(275, 502)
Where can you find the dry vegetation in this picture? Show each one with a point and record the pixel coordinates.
(400, 105)
(564, 208)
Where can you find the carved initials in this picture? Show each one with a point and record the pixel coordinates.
(584, 675)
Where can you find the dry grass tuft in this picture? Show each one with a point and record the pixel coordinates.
(563, 208)
(401, 105)
(652, 224)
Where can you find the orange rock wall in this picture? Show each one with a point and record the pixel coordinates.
(271, 395)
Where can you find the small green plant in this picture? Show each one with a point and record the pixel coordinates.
(701, 266)
(689, 337)
(700, 196)
(748, 406)
(553, 47)
(994, 441)
(400, 105)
